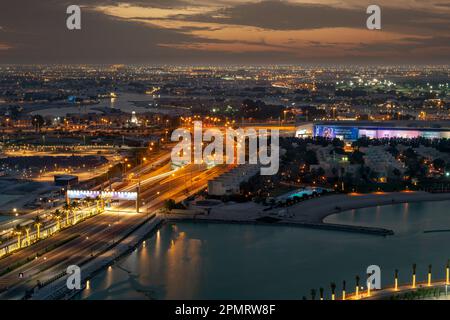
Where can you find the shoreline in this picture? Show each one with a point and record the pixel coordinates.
(309, 213)
(55, 288)
(361, 201)
(322, 226)
(316, 214)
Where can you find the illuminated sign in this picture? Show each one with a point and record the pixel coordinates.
(114, 195)
(331, 132)
(353, 133)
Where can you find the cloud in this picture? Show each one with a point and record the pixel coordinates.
(220, 31)
(282, 15)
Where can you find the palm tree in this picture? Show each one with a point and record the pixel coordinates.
(18, 231)
(344, 283)
(27, 230)
(87, 201)
(67, 208)
(414, 275)
(75, 206)
(98, 203)
(57, 217)
(321, 293)
(396, 279)
(357, 286)
(333, 290)
(38, 224)
(313, 294)
(447, 272)
(429, 275)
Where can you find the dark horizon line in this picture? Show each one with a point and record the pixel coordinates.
(309, 64)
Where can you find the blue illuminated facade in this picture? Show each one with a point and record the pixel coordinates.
(353, 132)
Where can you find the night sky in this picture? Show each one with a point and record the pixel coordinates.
(225, 31)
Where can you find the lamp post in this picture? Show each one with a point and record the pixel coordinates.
(414, 276)
(429, 275)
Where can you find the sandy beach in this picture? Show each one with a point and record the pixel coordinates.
(310, 213)
(315, 210)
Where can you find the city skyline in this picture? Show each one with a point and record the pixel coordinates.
(225, 32)
(194, 151)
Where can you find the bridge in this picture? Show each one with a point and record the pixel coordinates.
(108, 195)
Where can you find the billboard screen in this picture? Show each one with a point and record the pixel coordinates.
(353, 133)
(115, 195)
(331, 132)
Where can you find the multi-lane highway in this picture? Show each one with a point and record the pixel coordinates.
(91, 236)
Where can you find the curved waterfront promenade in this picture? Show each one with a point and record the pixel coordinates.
(309, 213)
(248, 248)
(389, 292)
(315, 210)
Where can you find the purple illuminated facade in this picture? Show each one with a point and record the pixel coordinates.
(351, 132)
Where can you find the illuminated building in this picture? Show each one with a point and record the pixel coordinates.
(351, 131)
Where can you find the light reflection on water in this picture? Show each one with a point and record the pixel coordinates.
(124, 102)
(220, 261)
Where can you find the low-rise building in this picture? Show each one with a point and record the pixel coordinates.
(381, 162)
(65, 180)
(229, 182)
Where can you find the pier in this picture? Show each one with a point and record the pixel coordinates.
(285, 223)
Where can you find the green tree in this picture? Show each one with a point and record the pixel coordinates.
(38, 122)
(310, 157)
(439, 164)
(169, 204)
(37, 225)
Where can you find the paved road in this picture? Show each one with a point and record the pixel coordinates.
(98, 232)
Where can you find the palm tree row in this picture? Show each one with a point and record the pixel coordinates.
(57, 216)
(357, 283)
